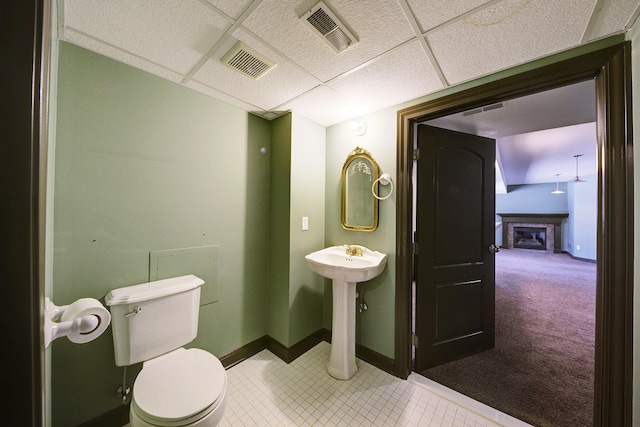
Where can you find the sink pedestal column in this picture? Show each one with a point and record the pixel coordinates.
(342, 362)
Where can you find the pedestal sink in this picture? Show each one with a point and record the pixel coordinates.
(346, 265)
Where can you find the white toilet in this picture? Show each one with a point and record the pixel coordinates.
(176, 387)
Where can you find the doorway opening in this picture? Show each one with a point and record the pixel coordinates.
(610, 69)
(542, 366)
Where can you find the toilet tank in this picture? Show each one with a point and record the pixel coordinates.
(153, 318)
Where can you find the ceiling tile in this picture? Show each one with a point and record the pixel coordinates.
(400, 75)
(174, 39)
(233, 8)
(336, 108)
(506, 34)
(221, 96)
(614, 17)
(276, 87)
(431, 13)
(104, 49)
(173, 33)
(379, 26)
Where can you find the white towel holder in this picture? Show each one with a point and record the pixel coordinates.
(384, 179)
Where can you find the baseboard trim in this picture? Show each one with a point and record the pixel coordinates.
(120, 415)
(374, 358)
(244, 352)
(577, 258)
(289, 354)
(326, 335)
(116, 417)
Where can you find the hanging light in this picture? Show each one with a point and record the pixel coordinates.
(557, 190)
(577, 178)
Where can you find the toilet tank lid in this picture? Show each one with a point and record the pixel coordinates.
(151, 290)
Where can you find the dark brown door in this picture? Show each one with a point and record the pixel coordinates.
(455, 262)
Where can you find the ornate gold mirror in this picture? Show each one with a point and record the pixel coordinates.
(359, 207)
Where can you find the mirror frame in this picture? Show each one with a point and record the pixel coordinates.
(358, 153)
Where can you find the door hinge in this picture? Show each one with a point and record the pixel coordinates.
(414, 340)
(416, 154)
(415, 248)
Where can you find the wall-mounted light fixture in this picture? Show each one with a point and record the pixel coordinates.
(359, 128)
(557, 190)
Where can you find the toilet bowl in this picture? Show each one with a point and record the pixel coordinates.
(180, 388)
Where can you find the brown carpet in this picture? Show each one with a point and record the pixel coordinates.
(541, 369)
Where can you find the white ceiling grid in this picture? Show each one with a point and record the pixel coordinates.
(446, 11)
(406, 48)
(232, 8)
(266, 93)
(172, 36)
(505, 34)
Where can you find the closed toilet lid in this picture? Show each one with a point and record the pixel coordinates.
(179, 384)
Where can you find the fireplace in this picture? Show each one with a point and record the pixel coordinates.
(532, 231)
(530, 238)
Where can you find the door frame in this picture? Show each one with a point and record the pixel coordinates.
(611, 69)
(25, 92)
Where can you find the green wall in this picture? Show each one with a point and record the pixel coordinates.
(297, 190)
(278, 325)
(142, 165)
(307, 185)
(375, 327)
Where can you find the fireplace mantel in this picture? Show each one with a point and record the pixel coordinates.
(552, 221)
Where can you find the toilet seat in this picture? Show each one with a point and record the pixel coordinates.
(179, 387)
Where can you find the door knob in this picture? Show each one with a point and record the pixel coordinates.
(493, 248)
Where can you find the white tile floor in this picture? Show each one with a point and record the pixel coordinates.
(265, 391)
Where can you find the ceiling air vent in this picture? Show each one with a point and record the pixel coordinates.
(483, 109)
(326, 24)
(246, 60)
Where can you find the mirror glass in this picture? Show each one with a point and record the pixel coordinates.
(359, 207)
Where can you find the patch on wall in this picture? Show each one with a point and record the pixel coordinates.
(201, 261)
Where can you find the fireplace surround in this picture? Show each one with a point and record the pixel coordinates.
(549, 224)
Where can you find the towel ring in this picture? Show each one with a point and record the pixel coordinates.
(385, 179)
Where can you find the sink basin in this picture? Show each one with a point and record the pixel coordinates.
(345, 265)
(335, 263)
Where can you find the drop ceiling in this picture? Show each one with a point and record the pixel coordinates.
(404, 49)
(401, 50)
